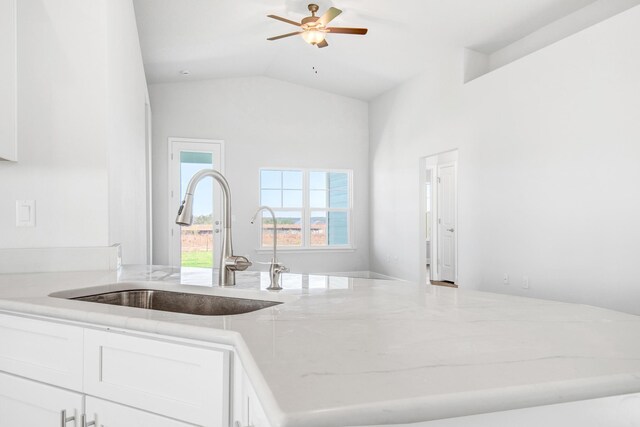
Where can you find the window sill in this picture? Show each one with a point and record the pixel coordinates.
(305, 250)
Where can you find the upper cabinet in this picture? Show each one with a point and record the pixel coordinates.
(8, 80)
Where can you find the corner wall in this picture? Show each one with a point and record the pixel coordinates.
(81, 129)
(127, 98)
(548, 175)
(62, 141)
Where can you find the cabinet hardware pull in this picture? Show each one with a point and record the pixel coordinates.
(84, 423)
(64, 419)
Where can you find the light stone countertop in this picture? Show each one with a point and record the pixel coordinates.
(342, 351)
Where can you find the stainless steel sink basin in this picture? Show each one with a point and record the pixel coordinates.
(179, 302)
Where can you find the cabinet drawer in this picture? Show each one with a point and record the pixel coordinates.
(180, 381)
(108, 414)
(44, 351)
(26, 403)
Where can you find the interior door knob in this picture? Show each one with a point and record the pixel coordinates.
(450, 230)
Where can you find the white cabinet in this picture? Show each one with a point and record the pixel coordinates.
(8, 80)
(129, 379)
(28, 403)
(247, 409)
(185, 382)
(44, 351)
(108, 414)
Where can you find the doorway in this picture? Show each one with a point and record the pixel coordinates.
(438, 218)
(195, 246)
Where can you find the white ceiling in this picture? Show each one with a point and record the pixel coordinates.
(227, 38)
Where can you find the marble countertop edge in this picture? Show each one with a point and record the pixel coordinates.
(455, 405)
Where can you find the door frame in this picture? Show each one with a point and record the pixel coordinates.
(424, 163)
(173, 202)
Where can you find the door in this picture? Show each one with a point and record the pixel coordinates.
(447, 214)
(196, 246)
(29, 403)
(107, 414)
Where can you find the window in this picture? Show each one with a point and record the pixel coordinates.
(313, 208)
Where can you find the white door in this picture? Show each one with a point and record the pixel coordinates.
(107, 414)
(447, 200)
(29, 403)
(196, 246)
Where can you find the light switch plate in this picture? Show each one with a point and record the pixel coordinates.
(25, 213)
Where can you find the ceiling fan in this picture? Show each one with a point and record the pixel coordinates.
(314, 29)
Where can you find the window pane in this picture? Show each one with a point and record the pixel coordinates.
(318, 180)
(196, 241)
(201, 159)
(338, 228)
(338, 199)
(272, 198)
(318, 228)
(270, 179)
(289, 229)
(318, 199)
(338, 181)
(338, 190)
(292, 180)
(292, 199)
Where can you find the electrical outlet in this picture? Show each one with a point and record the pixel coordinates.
(505, 279)
(525, 282)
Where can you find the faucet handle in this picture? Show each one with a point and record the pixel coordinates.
(237, 263)
(281, 268)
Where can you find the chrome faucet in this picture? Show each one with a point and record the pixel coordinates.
(275, 268)
(229, 263)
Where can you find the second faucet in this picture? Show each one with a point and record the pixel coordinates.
(275, 268)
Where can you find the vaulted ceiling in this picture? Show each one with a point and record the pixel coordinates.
(227, 38)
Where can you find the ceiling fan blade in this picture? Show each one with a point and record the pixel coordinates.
(284, 35)
(341, 30)
(323, 43)
(288, 21)
(329, 16)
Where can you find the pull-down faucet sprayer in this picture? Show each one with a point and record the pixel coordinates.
(229, 263)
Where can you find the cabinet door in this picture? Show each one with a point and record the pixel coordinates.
(107, 414)
(180, 381)
(28, 403)
(43, 351)
(247, 409)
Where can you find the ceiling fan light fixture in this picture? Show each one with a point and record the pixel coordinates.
(314, 36)
(314, 29)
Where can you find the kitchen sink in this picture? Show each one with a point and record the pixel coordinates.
(178, 302)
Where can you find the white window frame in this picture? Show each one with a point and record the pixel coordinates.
(306, 213)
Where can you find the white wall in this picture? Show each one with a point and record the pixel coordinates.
(8, 80)
(71, 85)
(548, 178)
(61, 127)
(264, 123)
(126, 97)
